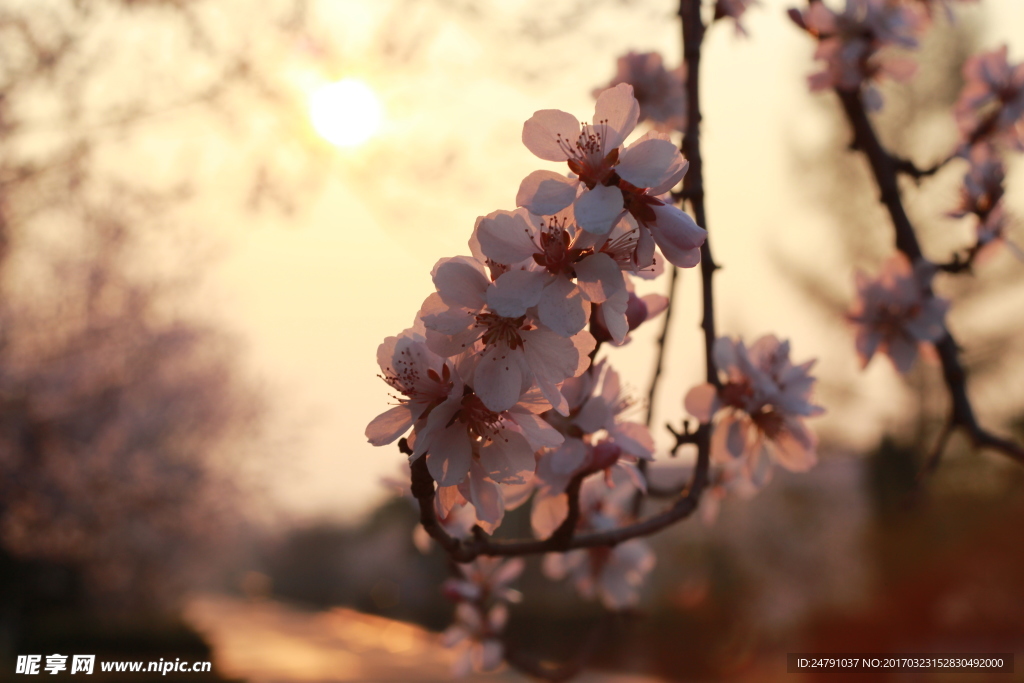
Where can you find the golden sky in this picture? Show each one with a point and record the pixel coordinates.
(312, 294)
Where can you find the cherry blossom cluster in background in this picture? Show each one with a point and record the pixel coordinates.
(896, 311)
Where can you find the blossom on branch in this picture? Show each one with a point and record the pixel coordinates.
(991, 105)
(734, 9)
(549, 267)
(614, 575)
(598, 438)
(759, 408)
(482, 594)
(422, 379)
(896, 312)
(496, 332)
(658, 91)
(981, 195)
(606, 181)
(849, 42)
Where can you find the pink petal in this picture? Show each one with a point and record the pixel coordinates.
(461, 281)
(545, 193)
(389, 425)
(651, 161)
(449, 456)
(537, 431)
(614, 313)
(542, 132)
(568, 457)
(548, 513)
(594, 415)
(635, 439)
(508, 458)
(515, 291)
(678, 236)
(585, 344)
(599, 209)
(485, 495)
(562, 308)
(795, 447)
(599, 277)
(506, 237)
(702, 402)
(498, 378)
(618, 109)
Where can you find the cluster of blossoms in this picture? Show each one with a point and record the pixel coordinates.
(896, 313)
(991, 105)
(481, 595)
(496, 384)
(757, 409)
(851, 43)
(613, 575)
(497, 353)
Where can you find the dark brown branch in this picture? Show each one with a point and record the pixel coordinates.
(693, 182)
(912, 170)
(682, 438)
(469, 549)
(884, 168)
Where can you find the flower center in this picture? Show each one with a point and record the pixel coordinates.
(499, 329)
(479, 419)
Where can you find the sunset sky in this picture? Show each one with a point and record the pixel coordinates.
(311, 293)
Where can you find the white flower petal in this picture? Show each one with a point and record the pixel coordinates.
(485, 495)
(515, 291)
(537, 431)
(565, 459)
(678, 236)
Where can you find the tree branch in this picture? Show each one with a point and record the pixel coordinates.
(884, 167)
(467, 550)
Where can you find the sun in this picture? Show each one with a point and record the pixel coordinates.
(346, 113)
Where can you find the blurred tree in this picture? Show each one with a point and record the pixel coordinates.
(121, 421)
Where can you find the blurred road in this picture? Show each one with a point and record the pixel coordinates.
(269, 642)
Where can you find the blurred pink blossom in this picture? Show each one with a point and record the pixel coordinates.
(658, 91)
(614, 575)
(896, 312)
(991, 104)
(758, 411)
(850, 43)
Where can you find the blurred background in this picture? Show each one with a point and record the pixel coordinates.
(212, 212)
